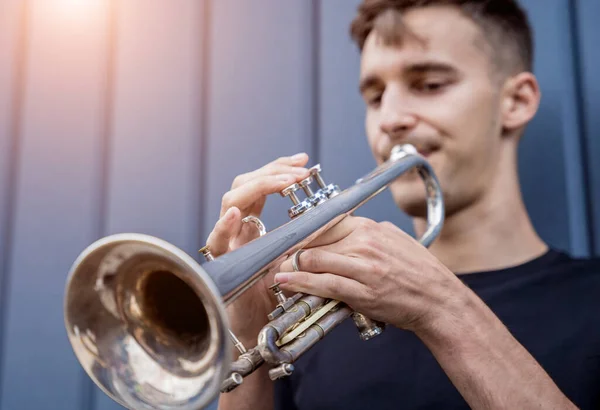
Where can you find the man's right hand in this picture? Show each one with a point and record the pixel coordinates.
(247, 196)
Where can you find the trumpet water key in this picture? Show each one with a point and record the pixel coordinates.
(148, 323)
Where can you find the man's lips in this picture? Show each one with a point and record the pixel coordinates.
(425, 152)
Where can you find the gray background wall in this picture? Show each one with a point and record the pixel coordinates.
(136, 115)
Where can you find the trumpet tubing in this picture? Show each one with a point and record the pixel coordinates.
(148, 323)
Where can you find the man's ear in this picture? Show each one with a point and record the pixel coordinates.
(520, 101)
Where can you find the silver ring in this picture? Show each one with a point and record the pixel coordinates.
(262, 230)
(296, 260)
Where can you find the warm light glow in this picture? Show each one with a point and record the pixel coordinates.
(81, 5)
(74, 9)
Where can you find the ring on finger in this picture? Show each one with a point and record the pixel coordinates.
(296, 261)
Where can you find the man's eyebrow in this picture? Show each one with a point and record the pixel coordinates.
(373, 80)
(429, 66)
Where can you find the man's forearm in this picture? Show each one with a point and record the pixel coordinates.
(487, 364)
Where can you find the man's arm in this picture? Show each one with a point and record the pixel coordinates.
(487, 365)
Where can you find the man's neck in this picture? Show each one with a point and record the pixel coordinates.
(494, 233)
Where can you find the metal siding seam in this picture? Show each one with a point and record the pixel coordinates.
(581, 225)
(88, 394)
(13, 166)
(316, 80)
(203, 147)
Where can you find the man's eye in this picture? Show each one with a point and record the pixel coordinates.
(374, 100)
(430, 86)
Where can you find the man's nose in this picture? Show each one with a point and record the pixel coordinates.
(396, 117)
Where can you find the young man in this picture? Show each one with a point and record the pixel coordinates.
(488, 316)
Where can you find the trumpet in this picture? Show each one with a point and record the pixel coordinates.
(148, 322)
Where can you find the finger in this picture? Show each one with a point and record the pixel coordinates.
(254, 190)
(284, 165)
(236, 225)
(224, 230)
(324, 261)
(271, 169)
(299, 159)
(246, 233)
(325, 285)
(341, 230)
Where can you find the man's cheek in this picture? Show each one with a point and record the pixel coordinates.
(437, 161)
(371, 128)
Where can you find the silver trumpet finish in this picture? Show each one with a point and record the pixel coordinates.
(148, 323)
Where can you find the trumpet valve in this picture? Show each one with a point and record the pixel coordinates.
(328, 190)
(291, 192)
(284, 303)
(281, 299)
(331, 190)
(315, 198)
(305, 184)
(299, 209)
(316, 173)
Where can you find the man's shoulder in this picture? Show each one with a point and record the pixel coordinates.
(555, 263)
(566, 272)
(583, 265)
(556, 273)
(575, 279)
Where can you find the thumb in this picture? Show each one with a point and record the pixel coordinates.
(218, 239)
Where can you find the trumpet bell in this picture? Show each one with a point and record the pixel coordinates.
(147, 323)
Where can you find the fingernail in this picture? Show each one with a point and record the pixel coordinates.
(286, 178)
(282, 277)
(228, 215)
(299, 155)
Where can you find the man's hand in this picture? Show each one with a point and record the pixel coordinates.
(248, 313)
(379, 271)
(247, 196)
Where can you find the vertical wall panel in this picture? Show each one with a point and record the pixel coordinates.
(12, 30)
(550, 156)
(56, 212)
(589, 59)
(155, 156)
(260, 97)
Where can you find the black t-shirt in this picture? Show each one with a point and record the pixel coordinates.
(551, 305)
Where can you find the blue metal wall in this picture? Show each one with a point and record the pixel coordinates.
(135, 116)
